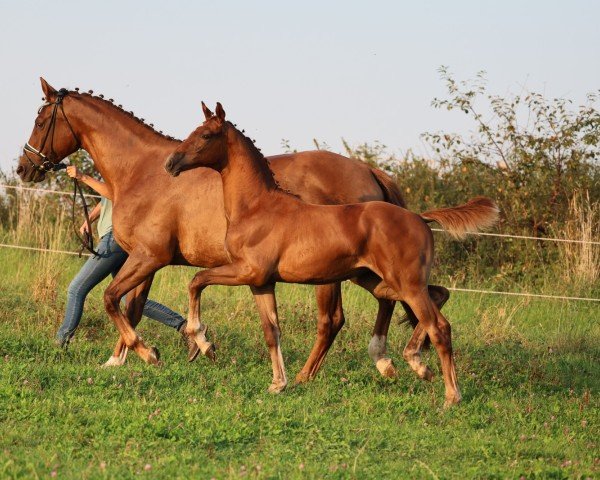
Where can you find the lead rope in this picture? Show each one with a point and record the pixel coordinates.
(87, 241)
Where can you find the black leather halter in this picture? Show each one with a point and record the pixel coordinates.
(47, 165)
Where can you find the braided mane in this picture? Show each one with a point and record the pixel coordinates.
(110, 102)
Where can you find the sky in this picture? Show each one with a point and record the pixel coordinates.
(362, 71)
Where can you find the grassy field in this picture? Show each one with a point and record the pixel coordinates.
(529, 373)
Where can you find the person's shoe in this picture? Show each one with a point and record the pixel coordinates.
(61, 343)
(193, 349)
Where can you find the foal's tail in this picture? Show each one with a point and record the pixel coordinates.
(478, 213)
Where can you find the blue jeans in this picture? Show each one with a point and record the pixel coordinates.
(110, 259)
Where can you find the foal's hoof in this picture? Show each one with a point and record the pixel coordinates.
(453, 400)
(302, 377)
(277, 387)
(425, 373)
(211, 352)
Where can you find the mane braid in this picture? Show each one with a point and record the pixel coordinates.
(254, 149)
(120, 109)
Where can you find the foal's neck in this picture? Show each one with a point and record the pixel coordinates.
(247, 178)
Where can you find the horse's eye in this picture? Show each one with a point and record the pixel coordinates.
(39, 124)
(206, 136)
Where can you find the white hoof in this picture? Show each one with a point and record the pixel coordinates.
(117, 361)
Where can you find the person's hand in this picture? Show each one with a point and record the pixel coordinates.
(74, 172)
(84, 227)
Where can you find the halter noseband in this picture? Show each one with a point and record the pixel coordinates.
(47, 165)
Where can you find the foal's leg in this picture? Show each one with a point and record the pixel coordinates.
(267, 308)
(195, 328)
(440, 296)
(412, 351)
(239, 273)
(438, 329)
(135, 270)
(330, 321)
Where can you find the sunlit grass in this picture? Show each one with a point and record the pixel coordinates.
(528, 371)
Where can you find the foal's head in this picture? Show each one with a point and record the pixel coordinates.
(52, 138)
(205, 147)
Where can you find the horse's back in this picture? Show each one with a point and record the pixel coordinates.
(325, 178)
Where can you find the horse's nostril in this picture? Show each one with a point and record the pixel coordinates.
(20, 169)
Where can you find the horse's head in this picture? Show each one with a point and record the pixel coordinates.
(205, 147)
(51, 140)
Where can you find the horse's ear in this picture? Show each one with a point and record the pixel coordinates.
(49, 91)
(207, 112)
(220, 112)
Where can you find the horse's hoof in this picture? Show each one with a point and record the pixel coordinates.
(193, 351)
(425, 373)
(386, 368)
(302, 377)
(153, 356)
(277, 387)
(113, 361)
(211, 353)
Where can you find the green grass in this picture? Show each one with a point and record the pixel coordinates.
(529, 373)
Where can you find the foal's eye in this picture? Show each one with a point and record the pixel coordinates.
(206, 136)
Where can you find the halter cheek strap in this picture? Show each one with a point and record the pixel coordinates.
(47, 165)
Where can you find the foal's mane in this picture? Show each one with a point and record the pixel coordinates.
(119, 108)
(254, 150)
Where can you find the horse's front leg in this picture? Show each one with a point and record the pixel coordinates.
(134, 306)
(236, 274)
(136, 270)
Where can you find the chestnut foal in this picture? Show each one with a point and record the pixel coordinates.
(273, 236)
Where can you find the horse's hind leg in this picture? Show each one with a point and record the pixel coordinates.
(378, 343)
(438, 329)
(330, 321)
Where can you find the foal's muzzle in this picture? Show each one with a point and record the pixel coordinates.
(172, 164)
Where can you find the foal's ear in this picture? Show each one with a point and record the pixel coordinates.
(207, 112)
(49, 92)
(220, 112)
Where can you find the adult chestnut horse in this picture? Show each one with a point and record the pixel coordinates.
(159, 221)
(276, 237)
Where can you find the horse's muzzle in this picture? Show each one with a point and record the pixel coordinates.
(28, 174)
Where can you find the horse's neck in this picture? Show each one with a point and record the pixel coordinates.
(246, 177)
(122, 149)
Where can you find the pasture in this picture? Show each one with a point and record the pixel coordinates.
(528, 371)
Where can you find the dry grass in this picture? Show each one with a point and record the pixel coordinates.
(32, 227)
(497, 322)
(581, 260)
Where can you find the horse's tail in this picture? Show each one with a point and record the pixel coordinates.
(478, 213)
(391, 192)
